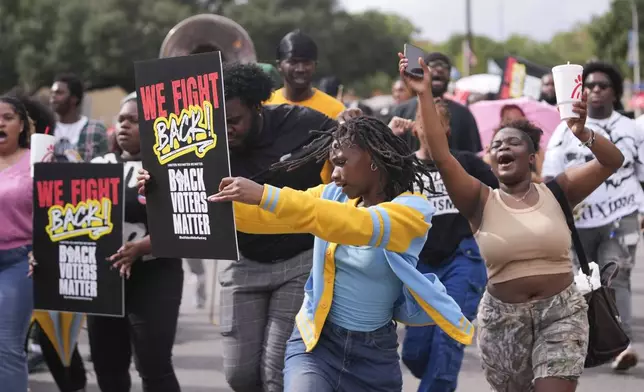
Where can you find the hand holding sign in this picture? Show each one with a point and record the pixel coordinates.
(32, 264)
(239, 189)
(125, 257)
(142, 179)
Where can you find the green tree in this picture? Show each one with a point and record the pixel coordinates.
(97, 39)
(576, 46)
(121, 32)
(9, 11)
(66, 47)
(353, 47)
(33, 28)
(610, 32)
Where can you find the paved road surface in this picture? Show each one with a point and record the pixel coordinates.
(199, 366)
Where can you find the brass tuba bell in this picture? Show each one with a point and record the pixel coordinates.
(206, 33)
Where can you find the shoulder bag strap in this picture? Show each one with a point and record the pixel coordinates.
(565, 206)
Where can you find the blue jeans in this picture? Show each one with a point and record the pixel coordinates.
(429, 353)
(344, 361)
(16, 305)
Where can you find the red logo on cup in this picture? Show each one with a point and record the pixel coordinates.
(576, 92)
(49, 154)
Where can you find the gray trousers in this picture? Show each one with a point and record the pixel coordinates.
(259, 302)
(615, 242)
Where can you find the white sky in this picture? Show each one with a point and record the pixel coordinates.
(538, 19)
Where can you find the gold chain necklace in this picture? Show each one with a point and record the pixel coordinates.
(522, 198)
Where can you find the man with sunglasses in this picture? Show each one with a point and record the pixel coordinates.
(464, 131)
(608, 220)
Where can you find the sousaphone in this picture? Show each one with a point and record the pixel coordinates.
(206, 33)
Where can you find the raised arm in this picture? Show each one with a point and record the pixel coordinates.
(467, 193)
(580, 181)
(268, 209)
(252, 219)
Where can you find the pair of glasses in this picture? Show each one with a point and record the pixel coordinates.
(601, 85)
(438, 64)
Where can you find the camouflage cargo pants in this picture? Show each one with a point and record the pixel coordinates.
(521, 342)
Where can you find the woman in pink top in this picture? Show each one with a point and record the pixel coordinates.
(16, 297)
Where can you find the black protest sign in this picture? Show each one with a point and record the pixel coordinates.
(182, 122)
(78, 223)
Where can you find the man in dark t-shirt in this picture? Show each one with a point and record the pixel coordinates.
(452, 254)
(464, 134)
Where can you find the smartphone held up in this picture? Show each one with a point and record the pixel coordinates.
(412, 53)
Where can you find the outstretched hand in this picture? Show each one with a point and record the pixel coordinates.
(416, 84)
(238, 189)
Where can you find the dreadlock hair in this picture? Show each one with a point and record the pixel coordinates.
(390, 153)
(247, 82)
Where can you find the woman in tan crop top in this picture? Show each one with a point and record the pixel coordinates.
(533, 326)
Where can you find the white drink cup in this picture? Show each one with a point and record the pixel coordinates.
(42, 148)
(569, 87)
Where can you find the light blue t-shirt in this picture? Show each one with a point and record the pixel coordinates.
(365, 289)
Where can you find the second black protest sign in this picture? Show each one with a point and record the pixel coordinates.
(78, 224)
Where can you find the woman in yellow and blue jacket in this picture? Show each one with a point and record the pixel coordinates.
(369, 229)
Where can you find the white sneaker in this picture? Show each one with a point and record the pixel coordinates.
(626, 360)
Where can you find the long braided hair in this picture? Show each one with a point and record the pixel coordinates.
(390, 153)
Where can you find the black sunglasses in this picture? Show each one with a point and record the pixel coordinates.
(601, 85)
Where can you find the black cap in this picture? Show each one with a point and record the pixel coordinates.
(299, 45)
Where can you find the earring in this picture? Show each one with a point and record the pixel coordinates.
(373, 167)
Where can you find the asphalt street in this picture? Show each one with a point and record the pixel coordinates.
(198, 361)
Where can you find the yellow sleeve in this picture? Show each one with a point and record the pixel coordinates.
(339, 108)
(344, 223)
(276, 98)
(253, 219)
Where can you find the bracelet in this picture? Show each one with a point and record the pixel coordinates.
(589, 143)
